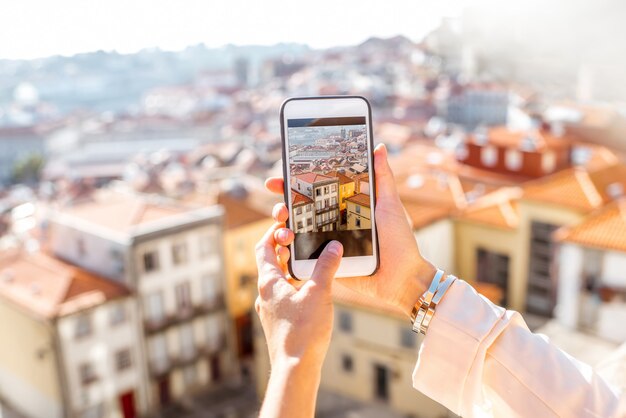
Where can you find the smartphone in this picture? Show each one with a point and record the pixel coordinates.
(328, 173)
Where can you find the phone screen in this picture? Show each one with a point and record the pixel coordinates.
(329, 178)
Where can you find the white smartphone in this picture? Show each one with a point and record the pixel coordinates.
(329, 182)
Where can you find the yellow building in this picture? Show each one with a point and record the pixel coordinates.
(346, 188)
(247, 218)
(358, 211)
(371, 357)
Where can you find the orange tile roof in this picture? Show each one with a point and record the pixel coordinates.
(299, 198)
(239, 212)
(312, 177)
(605, 228)
(422, 214)
(607, 177)
(122, 212)
(432, 187)
(361, 199)
(49, 287)
(504, 137)
(343, 179)
(347, 296)
(571, 187)
(497, 209)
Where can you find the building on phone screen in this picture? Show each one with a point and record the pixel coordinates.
(347, 188)
(324, 192)
(359, 214)
(302, 212)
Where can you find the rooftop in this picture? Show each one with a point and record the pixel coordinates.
(571, 187)
(422, 214)
(299, 198)
(343, 179)
(539, 139)
(497, 209)
(312, 177)
(50, 288)
(361, 199)
(604, 228)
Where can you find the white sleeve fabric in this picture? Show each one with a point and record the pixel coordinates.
(478, 360)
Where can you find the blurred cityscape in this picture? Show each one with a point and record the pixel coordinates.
(131, 198)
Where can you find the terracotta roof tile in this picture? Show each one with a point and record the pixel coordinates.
(497, 209)
(361, 199)
(422, 214)
(299, 198)
(607, 178)
(312, 177)
(49, 287)
(604, 228)
(343, 179)
(504, 137)
(242, 211)
(571, 187)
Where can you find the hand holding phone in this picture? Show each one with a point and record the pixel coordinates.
(327, 166)
(403, 274)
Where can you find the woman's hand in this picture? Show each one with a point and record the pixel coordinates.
(403, 274)
(297, 323)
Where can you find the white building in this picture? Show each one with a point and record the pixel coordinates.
(591, 293)
(70, 342)
(171, 257)
(302, 219)
(324, 191)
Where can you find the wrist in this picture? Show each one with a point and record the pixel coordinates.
(416, 285)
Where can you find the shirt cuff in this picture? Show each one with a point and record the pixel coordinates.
(455, 337)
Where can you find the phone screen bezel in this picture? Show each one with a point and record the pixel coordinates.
(322, 107)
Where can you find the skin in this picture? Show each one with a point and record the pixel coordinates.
(297, 318)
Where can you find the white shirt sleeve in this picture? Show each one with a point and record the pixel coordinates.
(478, 359)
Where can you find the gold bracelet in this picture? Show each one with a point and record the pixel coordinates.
(424, 309)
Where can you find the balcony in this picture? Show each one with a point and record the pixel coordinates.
(326, 208)
(154, 325)
(328, 221)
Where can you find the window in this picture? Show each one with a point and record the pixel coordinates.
(308, 208)
(358, 222)
(333, 188)
(80, 246)
(187, 341)
(548, 162)
(299, 210)
(345, 321)
(333, 201)
(153, 306)
(245, 280)
(513, 160)
(346, 363)
(183, 296)
(117, 315)
(179, 253)
(122, 360)
(211, 288)
(83, 326)
(357, 208)
(150, 261)
(325, 189)
(407, 338)
(95, 411)
(87, 374)
(489, 156)
(190, 375)
(299, 227)
(157, 350)
(318, 192)
(208, 244)
(215, 330)
(309, 221)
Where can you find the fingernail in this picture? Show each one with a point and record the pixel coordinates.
(335, 248)
(283, 234)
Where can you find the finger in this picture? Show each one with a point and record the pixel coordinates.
(266, 253)
(275, 185)
(385, 183)
(283, 255)
(284, 236)
(326, 267)
(280, 212)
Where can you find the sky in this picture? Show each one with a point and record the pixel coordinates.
(39, 28)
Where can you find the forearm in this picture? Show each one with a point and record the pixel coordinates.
(291, 390)
(477, 355)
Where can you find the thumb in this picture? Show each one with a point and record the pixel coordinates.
(326, 266)
(385, 183)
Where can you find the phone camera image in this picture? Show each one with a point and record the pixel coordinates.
(330, 186)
